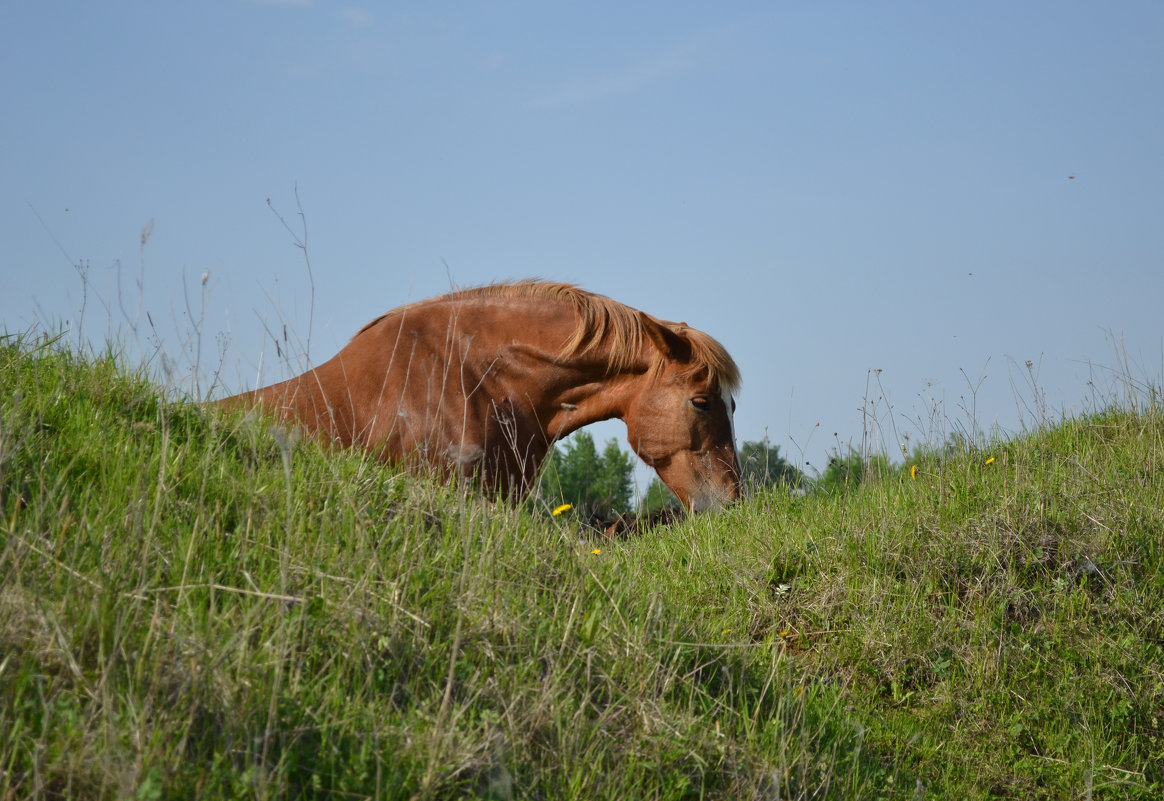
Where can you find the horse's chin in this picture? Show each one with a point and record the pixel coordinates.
(698, 487)
(708, 498)
(710, 501)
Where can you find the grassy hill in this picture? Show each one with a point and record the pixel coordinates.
(199, 607)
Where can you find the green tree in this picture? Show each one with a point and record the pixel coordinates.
(576, 474)
(657, 497)
(848, 472)
(762, 466)
(615, 478)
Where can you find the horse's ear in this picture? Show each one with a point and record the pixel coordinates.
(670, 341)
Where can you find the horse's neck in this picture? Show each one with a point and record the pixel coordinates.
(593, 397)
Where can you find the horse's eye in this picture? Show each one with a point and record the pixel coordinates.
(701, 403)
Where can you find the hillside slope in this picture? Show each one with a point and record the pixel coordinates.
(199, 607)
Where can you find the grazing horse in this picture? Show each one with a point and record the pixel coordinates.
(481, 382)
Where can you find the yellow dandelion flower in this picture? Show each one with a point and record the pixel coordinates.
(596, 551)
(563, 508)
(913, 471)
(990, 460)
(727, 631)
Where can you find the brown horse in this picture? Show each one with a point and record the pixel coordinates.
(481, 383)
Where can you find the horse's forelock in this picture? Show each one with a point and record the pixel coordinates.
(710, 356)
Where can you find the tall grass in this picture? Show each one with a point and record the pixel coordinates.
(194, 606)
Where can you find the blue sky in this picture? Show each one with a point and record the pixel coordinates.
(936, 191)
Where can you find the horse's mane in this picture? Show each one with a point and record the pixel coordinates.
(603, 321)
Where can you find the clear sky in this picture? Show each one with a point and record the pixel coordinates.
(938, 191)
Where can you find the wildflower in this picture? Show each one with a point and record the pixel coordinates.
(727, 631)
(913, 471)
(784, 633)
(563, 508)
(596, 551)
(990, 460)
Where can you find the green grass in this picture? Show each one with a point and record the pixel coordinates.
(194, 606)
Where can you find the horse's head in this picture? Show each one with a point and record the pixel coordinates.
(681, 421)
